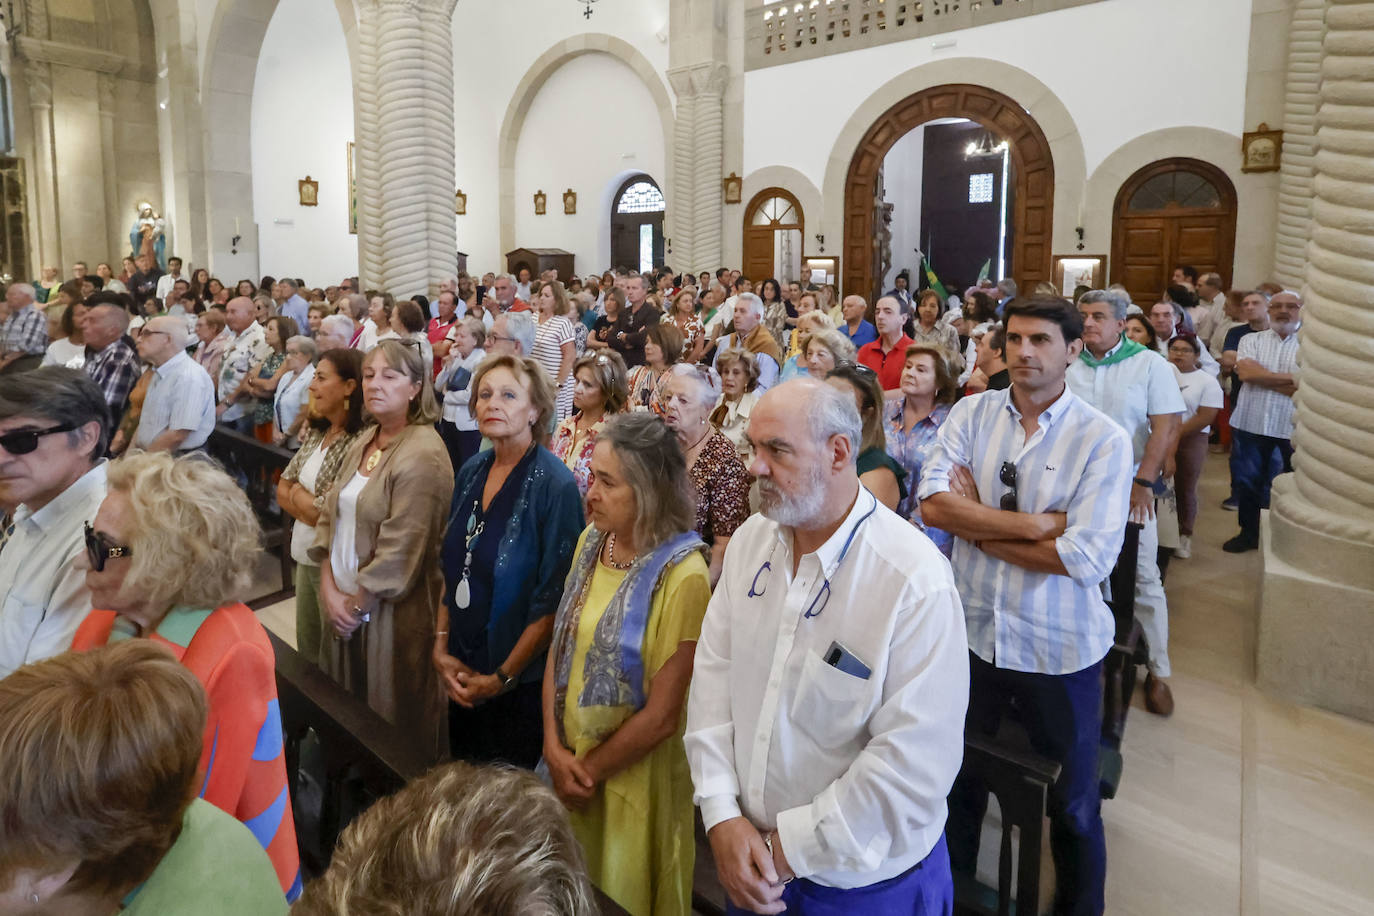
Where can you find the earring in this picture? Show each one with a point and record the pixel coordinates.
(33, 898)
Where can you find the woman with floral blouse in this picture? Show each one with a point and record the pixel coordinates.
(599, 392)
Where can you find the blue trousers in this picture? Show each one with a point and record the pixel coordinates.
(1254, 465)
(1062, 715)
(926, 889)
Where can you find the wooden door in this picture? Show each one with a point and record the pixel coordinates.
(1170, 213)
(637, 225)
(770, 211)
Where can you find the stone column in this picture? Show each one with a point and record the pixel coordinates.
(117, 241)
(1299, 142)
(47, 248)
(1316, 634)
(403, 107)
(698, 158)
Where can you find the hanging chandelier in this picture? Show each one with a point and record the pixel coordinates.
(985, 147)
(587, 11)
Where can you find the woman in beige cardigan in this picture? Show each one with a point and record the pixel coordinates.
(377, 543)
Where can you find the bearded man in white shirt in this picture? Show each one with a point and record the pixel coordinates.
(825, 723)
(54, 428)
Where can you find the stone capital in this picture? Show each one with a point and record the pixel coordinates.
(708, 78)
(39, 50)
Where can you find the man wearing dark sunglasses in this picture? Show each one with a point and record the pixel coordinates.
(54, 428)
(1035, 485)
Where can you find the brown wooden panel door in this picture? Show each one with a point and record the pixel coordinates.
(1172, 212)
(769, 210)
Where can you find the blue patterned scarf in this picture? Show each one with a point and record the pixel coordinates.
(613, 671)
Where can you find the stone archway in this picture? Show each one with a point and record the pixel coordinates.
(1031, 158)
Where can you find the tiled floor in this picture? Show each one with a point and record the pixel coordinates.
(1239, 803)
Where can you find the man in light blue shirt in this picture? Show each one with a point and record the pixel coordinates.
(1034, 483)
(295, 307)
(179, 410)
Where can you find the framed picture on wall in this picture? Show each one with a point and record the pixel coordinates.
(734, 187)
(352, 193)
(824, 269)
(309, 191)
(460, 202)
(1261, 150)
(569, 202)
(541, 201)
(1071, 271)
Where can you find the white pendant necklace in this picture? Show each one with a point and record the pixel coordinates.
(462, 593)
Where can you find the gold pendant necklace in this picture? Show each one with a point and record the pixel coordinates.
(373, 460)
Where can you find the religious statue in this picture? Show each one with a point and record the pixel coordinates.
(146, 236)
(882, 231)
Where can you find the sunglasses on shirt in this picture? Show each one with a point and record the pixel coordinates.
(1008, 477)
(100, 548)
(23, 441)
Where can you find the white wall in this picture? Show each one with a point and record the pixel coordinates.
(302, 120)
(902, 171)
(561, 147)
(1122, 69)
(495, 42)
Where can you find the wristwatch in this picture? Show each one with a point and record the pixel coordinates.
(507, 682)
(1155, 487)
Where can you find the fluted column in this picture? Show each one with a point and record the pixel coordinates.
(47, 248)
(698, 151)
(405, 129)
(1317, 613)
(1299, 142)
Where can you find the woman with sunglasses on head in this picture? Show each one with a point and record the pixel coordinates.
(377, 543)
(615, 685)
(884, 477)
(170, 556)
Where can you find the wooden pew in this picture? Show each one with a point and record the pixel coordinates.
(1128, 651)
(365, 757)
(257, 466)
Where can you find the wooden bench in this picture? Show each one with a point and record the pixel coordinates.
(257, 466)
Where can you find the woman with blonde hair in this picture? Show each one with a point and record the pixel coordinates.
(100, 759)
(599, 394)
(811, 322)
(555, 342)
(615, 687)
(514, 521)
(170, 557)
(377, 543)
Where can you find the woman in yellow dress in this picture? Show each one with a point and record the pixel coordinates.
(616, 685)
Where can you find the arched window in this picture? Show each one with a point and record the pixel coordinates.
(773, 233)
(637, 224)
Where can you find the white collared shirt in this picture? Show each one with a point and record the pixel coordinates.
(181, 396)
(1130, 392)
(43, 594)
(852, 772)
(1077, 462)
(1264, 411)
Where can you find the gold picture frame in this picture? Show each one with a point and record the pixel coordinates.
(1261, 150)
(310, 191)
(569, 202)
(734, 188)
(1070, 271)
(541, 201)
(460, 203)
(352, 192)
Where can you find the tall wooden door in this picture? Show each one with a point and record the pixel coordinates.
(1171, 213)
(766, 253)
(637, 225)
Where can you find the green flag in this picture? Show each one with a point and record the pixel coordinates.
(986, 269)
(933, 281)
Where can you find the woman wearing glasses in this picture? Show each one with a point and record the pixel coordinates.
(615, 686)
(877, 471)
(171, 553)
(377, 543)
(289, 400)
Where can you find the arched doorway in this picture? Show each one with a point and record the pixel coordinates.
(1172, 212)
(1031, 161)
(773, 232)
(637, 224)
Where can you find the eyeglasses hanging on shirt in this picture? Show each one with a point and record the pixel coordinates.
(822, 597)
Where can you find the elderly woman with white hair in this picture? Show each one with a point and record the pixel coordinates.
(170, 556)
(718, 476)
(293, 392)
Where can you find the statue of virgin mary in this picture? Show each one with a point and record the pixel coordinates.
(147, 236)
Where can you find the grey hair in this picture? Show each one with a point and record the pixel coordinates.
(1007, 287)
(1118, 300)
(25, 288)
(357, 306)
(176, 330)
(840, 346)
(110, 310)
(65, 396)
(707, 382)
(305, 345)
(1211, 278)
(521, 326)
(652, 463)
(461, 838)
(287, 281)
(832, 412)
(754, 302)
(338, 325)
(510, 277)
(475, 327)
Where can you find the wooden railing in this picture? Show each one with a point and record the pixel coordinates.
(793, 30)
(257, 466)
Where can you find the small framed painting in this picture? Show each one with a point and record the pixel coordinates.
(309, 191)
(569, 202)
(734, 186)
(460, 203)
(1073, 271)
(1261, 150)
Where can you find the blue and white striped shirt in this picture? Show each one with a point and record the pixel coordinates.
(1078, 462)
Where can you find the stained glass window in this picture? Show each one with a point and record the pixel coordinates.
(641, 197)
(1176, 189)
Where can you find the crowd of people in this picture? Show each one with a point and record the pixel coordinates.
(663, 540)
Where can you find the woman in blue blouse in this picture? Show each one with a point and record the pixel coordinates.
(515, 520)
(929, 386)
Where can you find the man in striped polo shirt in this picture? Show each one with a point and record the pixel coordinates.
(1035, 485)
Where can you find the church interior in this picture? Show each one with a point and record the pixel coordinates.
(877, 149)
